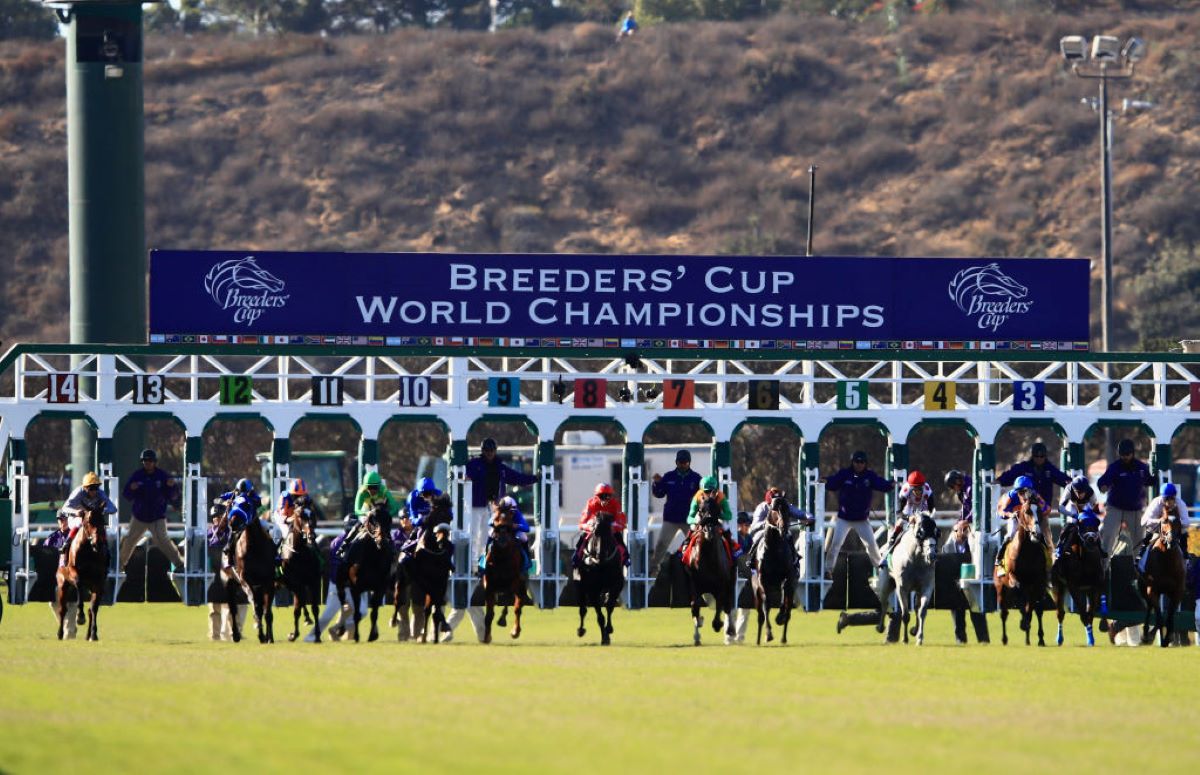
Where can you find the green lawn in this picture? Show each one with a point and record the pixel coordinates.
(154, 696)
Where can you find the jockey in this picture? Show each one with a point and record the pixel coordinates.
(404, 537)
(1022, 494)
(758, 521)
(290, 503)
(603, 501)
(1085, 522)
(419, 502)
(1167, 504)
(507, 505)
(372, 493)
(915, 499)
(709, 488)
(1078, 499)
(243, 504)
(85, 497)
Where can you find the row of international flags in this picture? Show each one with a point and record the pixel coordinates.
(592, 343)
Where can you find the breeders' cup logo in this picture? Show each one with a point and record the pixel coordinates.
(989, 296)
(242, 285)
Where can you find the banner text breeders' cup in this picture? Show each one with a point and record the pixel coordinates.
(633, 296)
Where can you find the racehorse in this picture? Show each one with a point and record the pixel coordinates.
(1024, 564)
(775, 569)
(912, 571)
(428, 571)
(367, 568)
(1078, 570)
(254, 572)
(302, 572)
(1162, 583)
(86, 572)
(710, 571)
(601, 577)
(503, 573)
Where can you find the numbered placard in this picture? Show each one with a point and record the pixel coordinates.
(1029, 396)
(679, 394)
(504, 391)
(590, 393)
(236, 390)
(414, 391)
(1195, 403)
(1115, 396)
(148, 389)
(62, 388)
(764, 394)
(852, 395)
(328, 391)
(939, 396)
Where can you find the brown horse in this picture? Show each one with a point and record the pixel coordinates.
(1078, 570)
(302, 572)
(253, 571)
(775, 569)
(710, 571)
(601, 577)
(503, 573)
(86, 572)
(1025, 569)
(1162, 583)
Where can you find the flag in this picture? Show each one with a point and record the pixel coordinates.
(393, 341)
(629, 343)
(157, 339)
(987, 345)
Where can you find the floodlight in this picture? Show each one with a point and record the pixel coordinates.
(1135, 50)
(1074, 48)
(1106, 48)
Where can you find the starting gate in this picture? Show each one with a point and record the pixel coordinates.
(981, 391)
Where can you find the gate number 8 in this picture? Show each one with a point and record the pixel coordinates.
(590, 393)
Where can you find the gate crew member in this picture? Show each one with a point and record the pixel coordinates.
(1043, 473)
(678, 487)
(855, 487)
(1125, 481)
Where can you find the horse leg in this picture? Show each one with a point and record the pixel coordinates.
(1093, 602)
(726, 603)
(1165, 616)
(93, 615)
(375, 601)
(922, 610)
(904, 606)
(602, 624)
(582, 629)
(1039, 608)
(355, 597)
(518, 604)
(760, 607)
(503, 620)
(1003, 622)
(608, 625)
(787, 602)
(697, 622)
(489, 613)
(61, 611)
(231, 590)
(314, 592)
(297, 604)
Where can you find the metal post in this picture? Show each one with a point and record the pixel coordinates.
(1105, 215)
(812, 196)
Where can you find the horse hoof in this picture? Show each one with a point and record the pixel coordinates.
(292, 637)
(1004, 640)
(729, 639)
(608, 630)
(374, 636)
(605, 640)
(1059, 639)
(717, 624)
(502, 621)
(487, 638)
(515, 634)
(317, 639)
(770, 637)
(581, 632)
(697, 641)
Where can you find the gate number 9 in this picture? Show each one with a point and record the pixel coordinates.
(504, 391)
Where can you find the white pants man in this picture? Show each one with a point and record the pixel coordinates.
(477, 526)
(1110, 529)
(219, 626)
(158, 536)
(666, 537)
(837, 535)
(335, 608)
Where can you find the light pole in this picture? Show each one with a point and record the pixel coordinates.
(1104, 59)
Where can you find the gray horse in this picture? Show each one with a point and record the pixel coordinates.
(912, 569)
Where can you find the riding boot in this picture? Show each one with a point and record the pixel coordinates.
(1000, 555)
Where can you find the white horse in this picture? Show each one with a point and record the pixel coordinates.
(912, 570)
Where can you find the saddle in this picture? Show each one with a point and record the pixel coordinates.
(691, 547)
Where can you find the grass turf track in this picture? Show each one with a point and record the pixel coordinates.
(153, 696)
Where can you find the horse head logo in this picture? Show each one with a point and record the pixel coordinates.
(985, 280)
(239, 273)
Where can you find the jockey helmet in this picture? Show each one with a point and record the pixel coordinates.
(604, 488)
(1169, 490)
(442, 527)
(1024, 483)
(953, 477)
(743, 518)
(216, 511)
(488, 444)
(298, 489)
(1125, 447)
(772, 494)
(507, 502)
(91, 480)
(1082, 486)
(683, 456)
(244, 486)
(916, 479)
(372, 479)
(350, 520)
(148, 454)
(708, 484)
(426, 485)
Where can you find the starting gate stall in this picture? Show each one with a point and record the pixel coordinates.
(546, 388)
